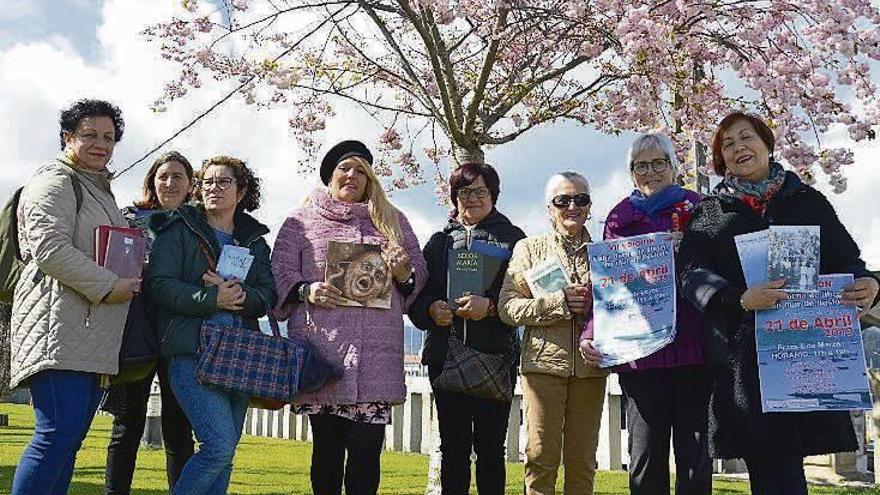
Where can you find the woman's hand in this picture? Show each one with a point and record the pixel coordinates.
(398, 262)
(325, 295)
(441, 314)
(210, 278)
(763, 296)
(472, 307)
(861, 294)
(578, 298)
(676, 239)
(123, 290)
(590, 354)
(230, 296)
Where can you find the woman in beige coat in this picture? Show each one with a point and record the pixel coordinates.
(68, 313)
(562, 388)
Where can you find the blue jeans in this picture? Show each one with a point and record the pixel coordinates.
(64, 405)
(217, 418)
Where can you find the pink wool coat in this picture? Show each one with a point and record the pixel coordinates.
(367, 342)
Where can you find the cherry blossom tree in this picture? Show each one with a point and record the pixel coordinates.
(449, 78)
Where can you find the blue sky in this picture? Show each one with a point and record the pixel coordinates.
(54, 51)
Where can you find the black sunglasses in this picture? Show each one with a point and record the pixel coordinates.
(564, 200)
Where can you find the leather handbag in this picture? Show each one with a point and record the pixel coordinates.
(478, 374)
(139, 352)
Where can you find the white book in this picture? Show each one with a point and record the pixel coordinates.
(752, 249)
(234, 262)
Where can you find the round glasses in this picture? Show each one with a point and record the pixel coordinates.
(658, 166)
(564, 200)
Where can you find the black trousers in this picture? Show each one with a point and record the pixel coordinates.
(664, 403)
(777, 475)
(332, 438)
(470, 424)
(128, 428)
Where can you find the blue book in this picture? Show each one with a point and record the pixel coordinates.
(810, 354)
(752, 249)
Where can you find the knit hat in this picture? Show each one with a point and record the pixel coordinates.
(343, 150)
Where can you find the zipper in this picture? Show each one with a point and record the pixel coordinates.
(88, 321)
(165, 333)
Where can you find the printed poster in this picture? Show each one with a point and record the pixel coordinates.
(633, 296)
(810, 354)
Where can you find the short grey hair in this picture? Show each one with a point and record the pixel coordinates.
(569, 176)
(652, 141)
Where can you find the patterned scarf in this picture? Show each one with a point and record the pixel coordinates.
(754, 194)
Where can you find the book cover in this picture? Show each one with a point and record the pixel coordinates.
(793, 254)
(102, 232)
(360, 272)
(235, 262)
(546, 277)
(810, 353)
(125, 253)
(466, 275)
(752, 249)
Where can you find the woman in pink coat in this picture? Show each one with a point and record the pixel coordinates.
(348, 417)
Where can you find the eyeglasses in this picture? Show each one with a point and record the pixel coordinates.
(222, 183)
(564, 200)
(478, 192)
(641, 168)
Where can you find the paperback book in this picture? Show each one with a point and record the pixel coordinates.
(546, 277)
(235, 262)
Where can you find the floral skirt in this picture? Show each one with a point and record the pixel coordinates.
(375, 413)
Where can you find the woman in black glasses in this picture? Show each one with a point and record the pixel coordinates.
(546, 290)
(468, 423)
(667, 393)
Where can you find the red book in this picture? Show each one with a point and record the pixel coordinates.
(102, 233)
(125, 254)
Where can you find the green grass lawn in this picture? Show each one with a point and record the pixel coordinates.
(273, 467)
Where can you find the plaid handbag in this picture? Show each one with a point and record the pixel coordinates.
(480, 374)
(241, 359)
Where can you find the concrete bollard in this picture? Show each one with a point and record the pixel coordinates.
(152, 438)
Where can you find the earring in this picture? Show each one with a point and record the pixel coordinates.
(589, 216)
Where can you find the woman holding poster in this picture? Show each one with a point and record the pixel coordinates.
(546, 289)
(755, 193)
(343, 233)
(667, 392)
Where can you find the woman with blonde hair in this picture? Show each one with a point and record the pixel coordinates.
(348, 417)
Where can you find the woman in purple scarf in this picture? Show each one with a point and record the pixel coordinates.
(667, 393)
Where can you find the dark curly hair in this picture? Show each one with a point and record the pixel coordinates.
(71, 117)
(244, 178)
(149, 200)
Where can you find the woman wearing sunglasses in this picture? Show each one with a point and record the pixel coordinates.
(561, 384)
(667, 393)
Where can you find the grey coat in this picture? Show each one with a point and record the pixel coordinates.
(58, 319)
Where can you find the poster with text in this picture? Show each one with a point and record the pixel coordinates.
(633, 296)
(810, 355)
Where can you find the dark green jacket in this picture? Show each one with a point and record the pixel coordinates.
(174, 277)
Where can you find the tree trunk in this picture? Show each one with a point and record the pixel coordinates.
(462, 155)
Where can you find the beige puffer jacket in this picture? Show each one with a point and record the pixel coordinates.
(550, 341)
(58, 320)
